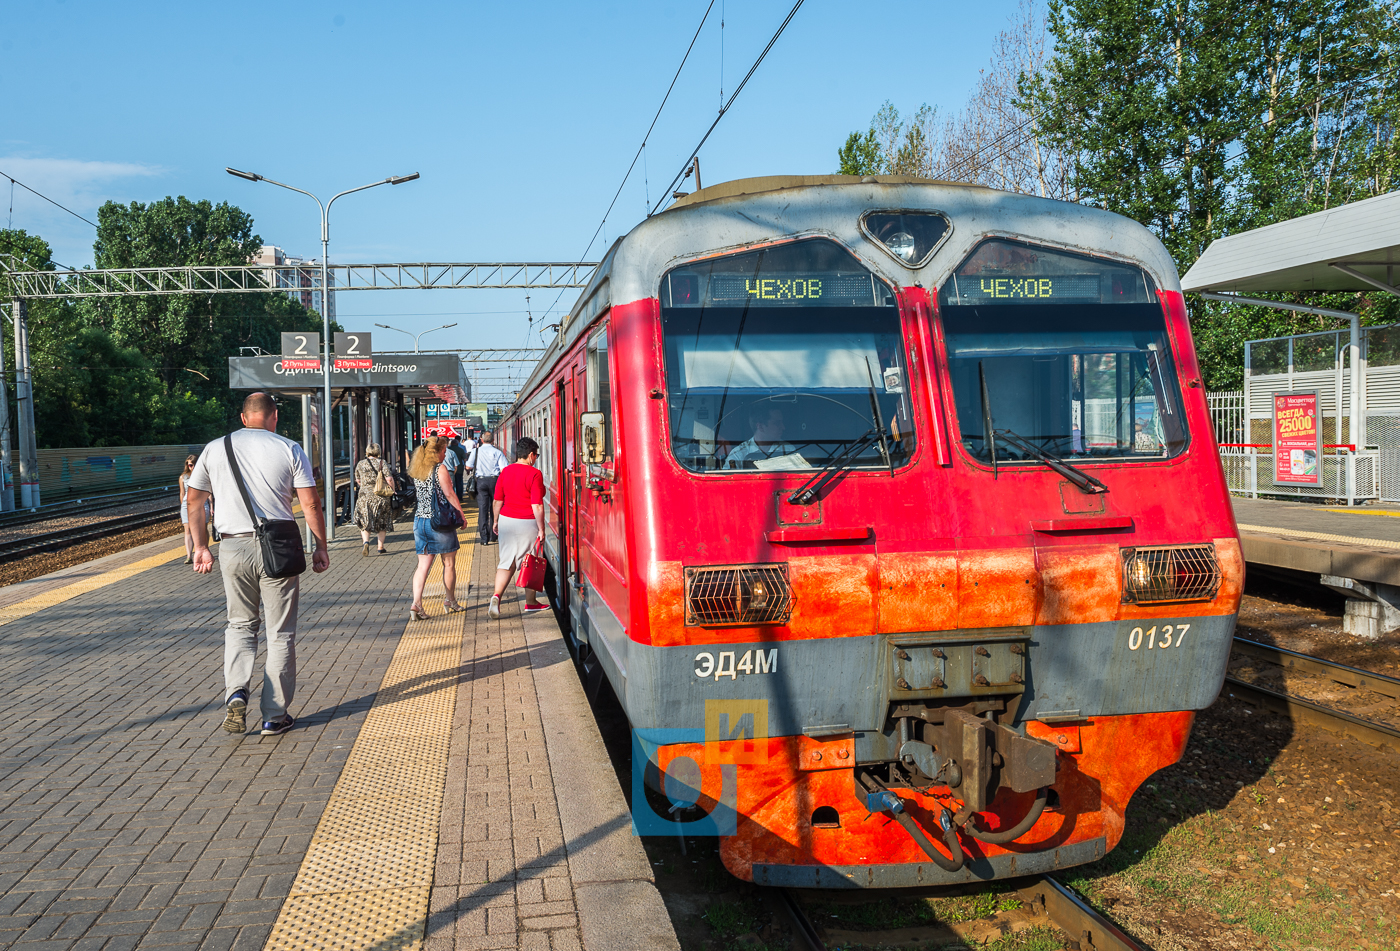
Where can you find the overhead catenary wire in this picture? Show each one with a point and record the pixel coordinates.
(640, 149)
(14, 181)
(666, 194)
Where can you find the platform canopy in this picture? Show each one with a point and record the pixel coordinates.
(1348, 248)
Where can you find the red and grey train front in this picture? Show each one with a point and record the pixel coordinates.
(958, 564)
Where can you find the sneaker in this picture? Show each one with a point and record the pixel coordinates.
(495, 609)
(189, 559)
(281, 725)
(537, 606)
(236, 715)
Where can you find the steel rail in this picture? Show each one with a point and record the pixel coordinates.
(1327, 719)
(18, 548)
(1072, 915)
(71, 508)
(1317, 667)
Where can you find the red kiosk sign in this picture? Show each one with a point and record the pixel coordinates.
(1297, 439)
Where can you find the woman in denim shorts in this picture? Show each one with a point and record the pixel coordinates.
(426, 469)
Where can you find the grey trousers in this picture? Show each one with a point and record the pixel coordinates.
(245, 584)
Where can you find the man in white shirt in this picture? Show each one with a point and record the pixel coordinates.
(767, 442)
(487, 462)
(272, 467)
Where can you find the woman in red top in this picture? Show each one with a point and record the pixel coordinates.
(519, 519)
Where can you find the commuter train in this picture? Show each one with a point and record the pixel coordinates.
(891, 511)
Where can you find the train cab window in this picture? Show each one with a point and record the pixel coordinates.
(773, 358)
(1073, 352)
(600, 389)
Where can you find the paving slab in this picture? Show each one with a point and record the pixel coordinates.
(1361, 542)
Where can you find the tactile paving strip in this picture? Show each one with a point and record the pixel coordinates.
(364, 883)
(1351, 540)
(48, 599)
(391, 919)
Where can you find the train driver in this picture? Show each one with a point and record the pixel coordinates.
(767, 441)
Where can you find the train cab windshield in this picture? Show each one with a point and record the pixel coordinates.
(773, 358)
(1069, 353)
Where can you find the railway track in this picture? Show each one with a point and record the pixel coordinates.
(1043, 897)
(18, 548)
(1328, 719)
(81, 507)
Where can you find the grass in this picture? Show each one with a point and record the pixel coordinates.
(1184, 868)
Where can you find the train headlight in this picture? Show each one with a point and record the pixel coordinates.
(731, 595)
(1170, 573)
(902, 244)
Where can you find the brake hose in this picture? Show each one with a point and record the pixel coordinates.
(1016, 831)
(945, 819)
(950, 839)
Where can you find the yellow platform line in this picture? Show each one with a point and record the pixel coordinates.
(48, 599)
(364, 883)
(1351, 540)
(1364, 512)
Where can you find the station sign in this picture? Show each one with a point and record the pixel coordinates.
(1297, 439)
(445, 427)
(301, 351)
(353, 351)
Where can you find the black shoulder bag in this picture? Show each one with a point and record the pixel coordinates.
(279, 538)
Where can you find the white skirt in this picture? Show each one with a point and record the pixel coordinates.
(517, 537)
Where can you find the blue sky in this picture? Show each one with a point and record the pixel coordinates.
(522, 119)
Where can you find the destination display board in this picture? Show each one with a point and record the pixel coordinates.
(1297, 439)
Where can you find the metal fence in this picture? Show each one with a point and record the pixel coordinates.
(77, 473)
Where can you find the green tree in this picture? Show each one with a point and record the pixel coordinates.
(1201, 118)
(860, 155)
(189, 338)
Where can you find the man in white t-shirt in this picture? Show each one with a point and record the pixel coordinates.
(486, 461)
(273, 467)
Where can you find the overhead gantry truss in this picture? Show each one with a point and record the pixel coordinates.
(250, 279)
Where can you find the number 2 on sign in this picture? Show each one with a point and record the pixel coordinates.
(1136, 638)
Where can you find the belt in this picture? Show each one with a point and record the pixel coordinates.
(237, 534)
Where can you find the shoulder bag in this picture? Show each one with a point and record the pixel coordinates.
(278, 538)
(470, 487)
(445, 517)
(383, 486)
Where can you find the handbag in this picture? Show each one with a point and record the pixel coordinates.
(384, 488)
(445, 517)
(532, 569)
(471, 479)
(278, 538)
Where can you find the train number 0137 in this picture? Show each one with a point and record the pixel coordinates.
(1157, 636)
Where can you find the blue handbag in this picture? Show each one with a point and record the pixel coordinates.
(445, 518)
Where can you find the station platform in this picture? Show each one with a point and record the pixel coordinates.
(445, 786)
(1361, 542)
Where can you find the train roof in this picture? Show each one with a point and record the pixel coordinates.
(736, 214)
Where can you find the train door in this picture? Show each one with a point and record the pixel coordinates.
(561, 492)
(570, 481)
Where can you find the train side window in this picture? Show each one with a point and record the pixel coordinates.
(599, 399)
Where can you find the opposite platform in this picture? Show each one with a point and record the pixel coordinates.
(1361, 543)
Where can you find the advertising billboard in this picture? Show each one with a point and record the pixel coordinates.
(1297, 439)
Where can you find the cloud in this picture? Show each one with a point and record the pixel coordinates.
(79, 185)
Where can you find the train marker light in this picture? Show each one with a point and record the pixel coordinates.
(731, 595)
(902, 244)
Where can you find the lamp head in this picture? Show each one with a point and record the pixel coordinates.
(252, 177)
(400, 179)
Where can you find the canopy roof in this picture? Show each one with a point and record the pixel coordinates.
(1299, 255)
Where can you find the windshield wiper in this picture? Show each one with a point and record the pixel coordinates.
(807, 493)
(989, 436)
(879, 430)
(1082, 480)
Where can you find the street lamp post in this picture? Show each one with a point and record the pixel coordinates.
(327, 463)
(419, 336)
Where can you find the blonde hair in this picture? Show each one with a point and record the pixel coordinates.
(190, 461)
(372, 449)
(426, 456)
